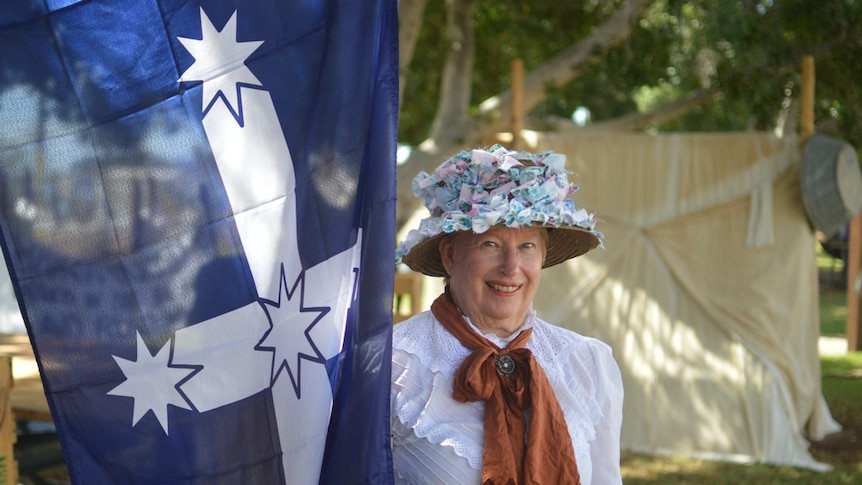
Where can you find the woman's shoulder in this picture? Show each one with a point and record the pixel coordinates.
(418, 324)
(425, 338)
(564, 338)
(569, 355)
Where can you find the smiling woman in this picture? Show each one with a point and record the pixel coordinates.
(483, 390)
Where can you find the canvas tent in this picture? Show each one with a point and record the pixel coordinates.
(707, 291)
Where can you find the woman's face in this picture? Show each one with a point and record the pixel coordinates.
(493, 276)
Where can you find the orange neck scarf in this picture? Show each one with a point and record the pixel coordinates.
(511, 383)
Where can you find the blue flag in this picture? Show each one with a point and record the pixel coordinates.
(197, 213)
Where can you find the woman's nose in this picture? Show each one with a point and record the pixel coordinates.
(511, 261)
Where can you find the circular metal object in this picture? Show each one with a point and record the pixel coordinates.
(505, 365)
(831, 182)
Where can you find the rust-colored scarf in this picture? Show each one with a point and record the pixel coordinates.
(511, 382)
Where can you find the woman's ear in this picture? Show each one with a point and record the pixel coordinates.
(445, 248)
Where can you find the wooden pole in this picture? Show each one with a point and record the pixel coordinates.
(853, 328)
(518, 114)
(8, 465)
(806, 128)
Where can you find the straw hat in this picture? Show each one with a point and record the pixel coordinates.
(479, 189)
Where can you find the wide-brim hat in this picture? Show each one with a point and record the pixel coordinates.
(479, 189)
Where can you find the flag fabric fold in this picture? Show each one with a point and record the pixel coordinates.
(197, 214)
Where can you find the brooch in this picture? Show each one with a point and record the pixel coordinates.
(505, 365)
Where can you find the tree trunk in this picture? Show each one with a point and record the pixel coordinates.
(452, 115)
(410, 14)
(452, 118)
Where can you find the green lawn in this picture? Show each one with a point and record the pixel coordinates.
(833, 297)
(642, 470)
(833, 313)
(842, 387)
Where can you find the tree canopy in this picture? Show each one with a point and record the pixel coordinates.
(660, 65)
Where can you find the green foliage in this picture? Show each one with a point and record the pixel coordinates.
(750, 49)
(533, 32)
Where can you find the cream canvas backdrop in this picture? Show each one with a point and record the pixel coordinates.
(706, 290)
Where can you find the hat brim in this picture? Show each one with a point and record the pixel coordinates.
(564, 243)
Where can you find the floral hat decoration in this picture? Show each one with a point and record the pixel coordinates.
(479, 189)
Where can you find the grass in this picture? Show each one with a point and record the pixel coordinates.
(842, 389)
(833, 313)
(642, 470)
(833, 295)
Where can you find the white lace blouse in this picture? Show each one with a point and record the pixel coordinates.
(437, 440)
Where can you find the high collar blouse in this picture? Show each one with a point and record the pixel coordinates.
(437, 440)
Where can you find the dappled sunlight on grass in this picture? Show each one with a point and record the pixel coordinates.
(833, 295)
(644, 469)
(833, 312)
(842, 387)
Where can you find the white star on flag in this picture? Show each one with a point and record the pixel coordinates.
(152, 383)
(220, 62)
(289, 338)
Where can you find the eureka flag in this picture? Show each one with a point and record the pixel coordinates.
(197, 213)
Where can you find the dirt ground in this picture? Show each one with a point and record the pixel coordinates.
(840, 449)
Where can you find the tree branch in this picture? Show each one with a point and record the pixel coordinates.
(566, 65)
(659, 114)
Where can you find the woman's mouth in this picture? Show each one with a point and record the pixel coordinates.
(503, 288)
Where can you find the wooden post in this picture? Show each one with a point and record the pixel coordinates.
(853, 330)
(8, 466)
(806, 128)
(517, 104)
(407, 285)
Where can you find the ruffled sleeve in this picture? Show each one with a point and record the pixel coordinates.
(435, 439)
(605, 449)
